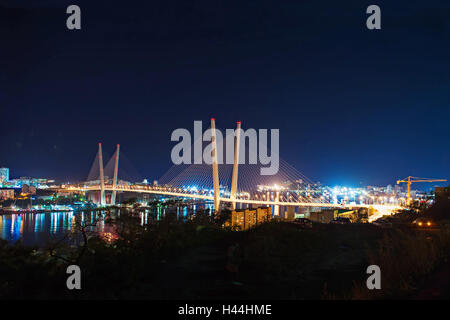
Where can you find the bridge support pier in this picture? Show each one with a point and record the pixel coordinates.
(215, 167)
(235, 165)
(276, 211)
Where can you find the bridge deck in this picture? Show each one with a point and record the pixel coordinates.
(247, 201)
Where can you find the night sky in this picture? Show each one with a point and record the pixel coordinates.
(353, 106)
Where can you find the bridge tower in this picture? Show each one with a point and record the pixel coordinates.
(235, 165)
(215, 167)
(116, 173)
(102, 177)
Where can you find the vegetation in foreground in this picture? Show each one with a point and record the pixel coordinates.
(197, 259)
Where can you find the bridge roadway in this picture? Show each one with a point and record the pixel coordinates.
(164, 191)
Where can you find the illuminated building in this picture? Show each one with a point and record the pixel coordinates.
(28, 189)
(248, 218)
(324, 216)
(4, 175)
(6, 194)
(36, 182)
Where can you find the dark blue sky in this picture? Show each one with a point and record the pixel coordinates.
(352, 105)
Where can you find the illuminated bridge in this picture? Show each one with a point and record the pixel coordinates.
(200, 181)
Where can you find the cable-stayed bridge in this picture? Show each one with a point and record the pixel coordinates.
(234, 183)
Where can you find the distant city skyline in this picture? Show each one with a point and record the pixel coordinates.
(19, 180)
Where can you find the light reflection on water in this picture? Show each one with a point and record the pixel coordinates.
(39, 228)
(34, 228)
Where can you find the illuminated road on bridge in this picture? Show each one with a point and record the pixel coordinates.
(177, 192)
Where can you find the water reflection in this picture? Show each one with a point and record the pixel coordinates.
(39, 228)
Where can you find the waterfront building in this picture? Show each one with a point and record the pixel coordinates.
(6, 194)
(4, 175)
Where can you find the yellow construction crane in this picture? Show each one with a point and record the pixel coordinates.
(409, 180)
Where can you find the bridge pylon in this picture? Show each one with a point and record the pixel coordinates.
(102, 177)
(235, 165)
(215, 167)
(116, 173)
